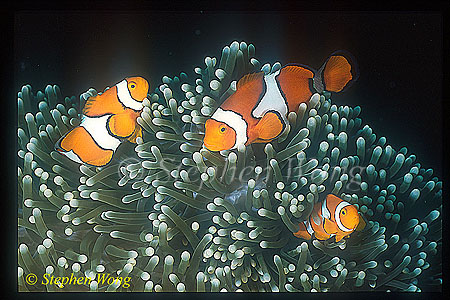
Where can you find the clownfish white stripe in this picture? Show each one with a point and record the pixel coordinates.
(316, 219)
(308, 227)
(125, 97)
(96, 127)
(337, 216)
(272, 99)
(235, 121)
(325, 212)
(73, 156)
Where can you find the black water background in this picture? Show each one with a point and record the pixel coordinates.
(399, 55)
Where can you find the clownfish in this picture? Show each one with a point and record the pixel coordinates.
(257, 111)
(107, 120)
(333, 217)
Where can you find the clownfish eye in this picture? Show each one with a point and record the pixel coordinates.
(132, 85)
(343, 212)
(222, 128)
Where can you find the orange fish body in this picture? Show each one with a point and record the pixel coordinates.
(257, 111)
(331, 217)
(107, 120)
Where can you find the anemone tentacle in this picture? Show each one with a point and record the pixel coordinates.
(173, 216)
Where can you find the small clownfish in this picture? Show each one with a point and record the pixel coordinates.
(257, 111)
(107, 120)
(333, 217)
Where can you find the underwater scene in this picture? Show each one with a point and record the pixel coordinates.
(238, 168)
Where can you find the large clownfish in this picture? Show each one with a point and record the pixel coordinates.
(107, 120)
(333, 217)
(257, 111)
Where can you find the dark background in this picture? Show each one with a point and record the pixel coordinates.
(399, 55)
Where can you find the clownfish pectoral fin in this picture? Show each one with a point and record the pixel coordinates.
(79, 146)
(270, 126)
(361, 224)
(302, 232)
(329, 226)
(321, 236)
(136, 133)
(338, 72)
(121, 125)
(339, 237)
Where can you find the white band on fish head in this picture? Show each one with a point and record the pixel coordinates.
(125, 97)
(337, 217)
(235, 121)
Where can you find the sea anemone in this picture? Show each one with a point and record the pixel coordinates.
(174, 216)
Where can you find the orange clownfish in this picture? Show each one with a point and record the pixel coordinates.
(332, 217)
(257, 111)
(107, 120)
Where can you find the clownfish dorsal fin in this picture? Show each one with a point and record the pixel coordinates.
(300, 70)
(249, 78)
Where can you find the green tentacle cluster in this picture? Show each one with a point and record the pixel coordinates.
(174, 216)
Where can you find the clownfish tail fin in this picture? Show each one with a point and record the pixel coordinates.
(65, 143)
(58, 146)
(302, 232)
(79, 146)
(337, 73)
